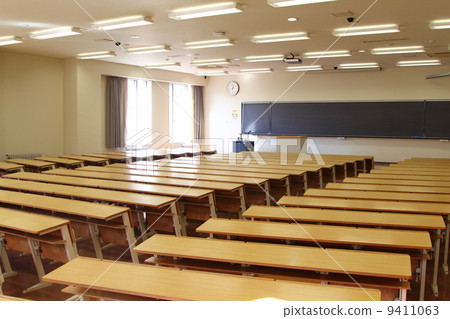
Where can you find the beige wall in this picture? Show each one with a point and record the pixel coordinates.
(389, 84)
(31, 104)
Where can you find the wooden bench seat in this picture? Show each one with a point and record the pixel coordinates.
(32, 165)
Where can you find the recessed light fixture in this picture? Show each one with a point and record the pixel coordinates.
(439, 24)
(264, 58)
(12, 39)
(208, 44)
(304, 68)
(149, 49)
(165, 65)
(398, 50)
(362, 51)
(292, 19)
(211, 73)
(125, 22)
(55, 33)
(211, 62)
(260, 70)
(208, 10)
(280, 37)
(134, 36)
(96, 55)
(366, 30)
(368, 65)
(326, 54)
(419, 63)
(287, 3)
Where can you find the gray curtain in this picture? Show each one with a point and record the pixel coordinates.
(199, 126)
(116, 102)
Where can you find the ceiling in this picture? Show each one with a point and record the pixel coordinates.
(20, 17)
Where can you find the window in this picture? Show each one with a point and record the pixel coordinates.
(181, 114)
(139, 110)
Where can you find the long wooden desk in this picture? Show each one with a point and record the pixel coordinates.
(111, 158)
(389, 188)
(230, 196)
(261, 256)
(32, 165)
(138, 155)
(375, 180)
(7, 168)
(324, 234)
(109, 221)
(172, 284)
(416, 168)
(138, 203)
(411, 177)
(87, 160)
(279, 183)
(62, 162)
(195, 203)
(408, 171)
(36, 235)
(257, 190)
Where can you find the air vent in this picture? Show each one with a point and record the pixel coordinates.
(343, 14)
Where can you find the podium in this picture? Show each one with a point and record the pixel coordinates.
(243, 145)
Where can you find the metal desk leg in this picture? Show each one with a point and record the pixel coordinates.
(68, 245)
(242, 200)
(423, 272)
(35, 253)
(267, 191)
(130, 237)
(437, 246)
(179, 231)
(288, 186)
(5, 259)
(95, 235)
(445, 261)
(2, 280)
(212, 206)
(142, 225)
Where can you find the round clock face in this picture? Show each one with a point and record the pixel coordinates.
(233, 88)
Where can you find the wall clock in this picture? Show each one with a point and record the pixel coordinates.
(233, 88)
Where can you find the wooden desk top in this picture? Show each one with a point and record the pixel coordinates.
(245, 169)
(59, 160)
(109, 184)
(413, 177)
(88, 193)
(366, 204)
(394, 220)
(211, 178)
(373, 237)
(104, 174)
(107, 156)
(400, 182)
(63, 205)
(284, 256)
(29, 223)
(31, 163)
(188, 170)
(430, 159)
(9, 298)
(409, 171)
(173, 284)
(389, 188)
(345, 193)
(8, 166)
(86, 158)
(418, 168)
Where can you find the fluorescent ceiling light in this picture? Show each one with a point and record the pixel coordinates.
(371, 29)
(439, 24)
(12, 39)
(96, 55)
(208, 10)
(293, 36)
(398, 50)
(347, 66)
(211, 73)
(287, 3)
(211, 62)
(261, 70)
(125, 22)
(208, 44)
(304, 68)
(166, 65)
(326, 54)
(55, 33)
(264, 58)
(419, 63)
(149, 49)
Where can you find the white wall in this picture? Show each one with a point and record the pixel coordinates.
(389, 84)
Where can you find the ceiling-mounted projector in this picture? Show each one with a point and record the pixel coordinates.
(292, 60)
